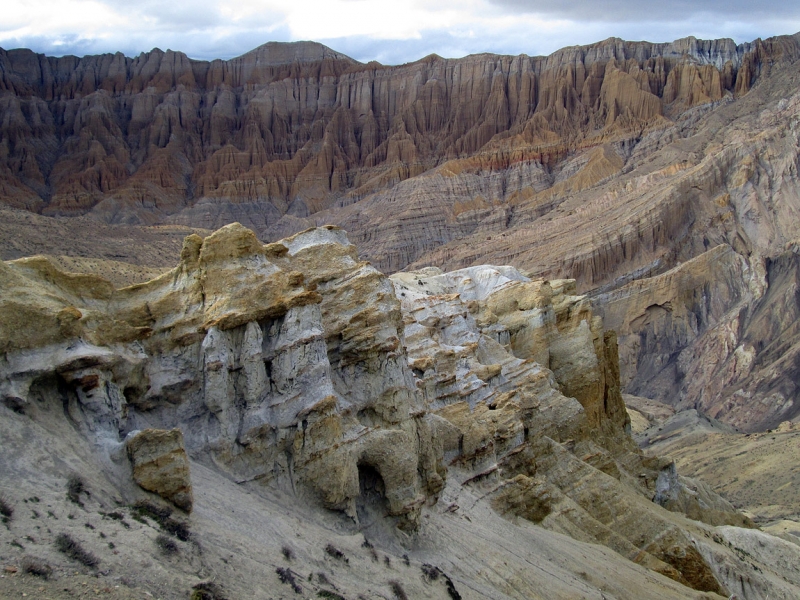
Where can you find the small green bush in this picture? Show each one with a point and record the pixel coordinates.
(6, 509)
(163, 516)
(207, 590)
(289, 577)
(333, 551)
(431, 573)
(166, 545)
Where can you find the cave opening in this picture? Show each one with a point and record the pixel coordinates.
(371, 504)
(370, 483)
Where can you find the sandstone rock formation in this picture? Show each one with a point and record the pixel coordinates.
(608, 164)
(291, 129)
(160, 465)
(305, 378)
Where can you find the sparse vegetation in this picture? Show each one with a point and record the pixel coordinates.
(287, 552)
(387, 561)
(333, 551)
(180, 529)
(34, 566)
(366, 544)
(163, 516)
(15, 404)
(207, 590)
(397, 590)
(6, 509)
(451, 589)
(167, 545)
(330, 595)
(431, 573)
(288, 576)
(323, 579)
(114, 516)
(66, 545)
(75, 487)
(406, 560)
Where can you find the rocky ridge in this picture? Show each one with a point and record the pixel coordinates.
(666, 151)
(309, 386)
(291, 129)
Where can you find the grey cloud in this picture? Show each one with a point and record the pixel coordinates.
(522, 39)
(198, 45)
(636, 10)
(204, 36)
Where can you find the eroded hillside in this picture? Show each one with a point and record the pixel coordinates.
(450, 434)
(661, 177)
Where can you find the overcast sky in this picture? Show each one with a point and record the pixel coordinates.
(390, 32)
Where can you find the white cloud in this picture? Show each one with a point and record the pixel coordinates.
(388, 31)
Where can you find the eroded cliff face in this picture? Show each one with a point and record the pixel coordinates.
(295, 368)
(259, 353)
(608, 164)
(291, 129)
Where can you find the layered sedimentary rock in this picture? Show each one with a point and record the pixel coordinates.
(290, 129)
(254, 350)
(608, 164)
(160, 465)
(297, 367)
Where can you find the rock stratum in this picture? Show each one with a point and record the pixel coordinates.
(662, 178)
(431, 434)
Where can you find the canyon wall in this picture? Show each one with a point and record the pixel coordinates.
(291, 129)
(297, 367)
(612, 164)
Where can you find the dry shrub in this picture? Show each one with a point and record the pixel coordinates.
(66, 545)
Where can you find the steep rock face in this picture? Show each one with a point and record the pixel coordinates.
(525, 374)
(233, 345)
(648, 241)
(607, 163)
(290, 129)
(297, 366)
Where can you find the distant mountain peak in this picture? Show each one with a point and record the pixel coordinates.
(281, 53)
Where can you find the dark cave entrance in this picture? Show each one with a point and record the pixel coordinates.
(370, 483)
(371, 503)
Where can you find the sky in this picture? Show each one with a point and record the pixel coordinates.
(389, 32)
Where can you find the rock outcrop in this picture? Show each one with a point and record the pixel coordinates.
(294, 368)
(160, 465)
(292, 129)
(607, 164)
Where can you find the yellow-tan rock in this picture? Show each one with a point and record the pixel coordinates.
(160, 465)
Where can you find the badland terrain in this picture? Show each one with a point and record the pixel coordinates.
(397, 368)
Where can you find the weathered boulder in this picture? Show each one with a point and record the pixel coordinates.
(160, 465)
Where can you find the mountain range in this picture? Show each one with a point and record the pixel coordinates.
(614, 218)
